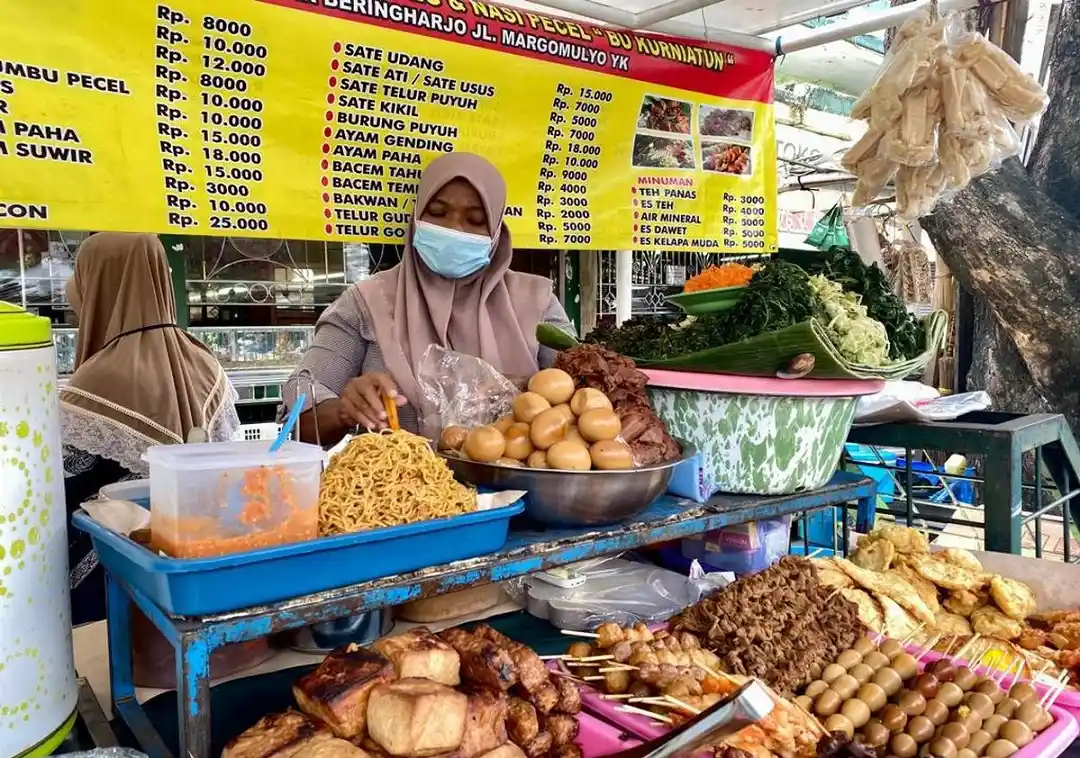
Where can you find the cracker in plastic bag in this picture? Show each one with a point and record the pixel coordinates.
(913, 141)
(460, 391)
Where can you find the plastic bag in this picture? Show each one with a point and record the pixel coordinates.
(107, 752)
(902, 402)
(615, 590)
(460, 390)
(938, 115)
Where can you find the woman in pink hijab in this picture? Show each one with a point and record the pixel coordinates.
(453, 288)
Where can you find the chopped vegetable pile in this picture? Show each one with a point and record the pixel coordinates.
(715, 277)
(864, 320)
(859, 338)
(777, 296)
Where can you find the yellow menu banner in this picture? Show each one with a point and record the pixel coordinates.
(313, 119)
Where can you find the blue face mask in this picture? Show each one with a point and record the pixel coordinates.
(450, 253)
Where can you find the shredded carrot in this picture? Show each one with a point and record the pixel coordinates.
(391, 413)
(715, 277)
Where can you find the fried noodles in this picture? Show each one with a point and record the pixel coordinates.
(387, 479)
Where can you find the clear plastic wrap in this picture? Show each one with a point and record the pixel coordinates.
(460, 390)
(938, 114)
(615, 590)
(107, 752)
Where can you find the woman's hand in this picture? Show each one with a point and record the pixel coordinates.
(362, 400)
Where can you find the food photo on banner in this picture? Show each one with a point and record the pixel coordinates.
(314, 120)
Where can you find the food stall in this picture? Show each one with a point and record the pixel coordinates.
(312, 121)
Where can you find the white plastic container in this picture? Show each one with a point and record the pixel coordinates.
(220, 498)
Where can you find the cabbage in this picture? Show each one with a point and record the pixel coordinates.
(858, 338)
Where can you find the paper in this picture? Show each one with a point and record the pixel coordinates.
(120, 516)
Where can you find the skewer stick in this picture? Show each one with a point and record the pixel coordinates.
(912, 634)
(1057, 694)
(589, 658)
(556, 657)
(965, 647)
(594, 679)
(929, 648)
(643, 712)
(680, 704)
(565, 675)
(587, 635)
(618, 667)
(1053, 690)
(624, 696)
(1006, 672)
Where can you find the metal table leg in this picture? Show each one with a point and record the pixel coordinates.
(193, 694)
(1004, 497)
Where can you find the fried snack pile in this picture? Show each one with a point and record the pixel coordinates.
(775, 625)
(938, 115)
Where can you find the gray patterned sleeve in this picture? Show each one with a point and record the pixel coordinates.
(335, 356)
(556, 316)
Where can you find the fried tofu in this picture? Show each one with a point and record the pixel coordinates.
(417, 718)
(419, 654)
(569, 696)
(280, 735)
(509, 750)
(482, 661)
(337, 691)
(485, 721)
(522, 721)
(538, 746)
(333, 748)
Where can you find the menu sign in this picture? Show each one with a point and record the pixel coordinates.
(313, 119)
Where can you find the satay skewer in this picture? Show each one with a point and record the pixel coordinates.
(572, 633)
(643, 712)
(1058, 687)
(964, 648)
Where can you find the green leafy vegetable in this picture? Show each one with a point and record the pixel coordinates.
(778, 296)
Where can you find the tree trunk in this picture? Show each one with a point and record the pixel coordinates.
(1012, 238)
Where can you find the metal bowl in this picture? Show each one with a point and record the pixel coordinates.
(575, 498)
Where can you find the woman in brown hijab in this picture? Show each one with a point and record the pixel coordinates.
(453, 288)
(139, 380)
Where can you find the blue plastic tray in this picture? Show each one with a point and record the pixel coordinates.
(205, 586)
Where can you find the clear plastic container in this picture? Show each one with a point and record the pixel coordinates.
(220, 498)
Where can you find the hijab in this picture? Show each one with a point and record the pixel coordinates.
(491, 314)
(139, 379)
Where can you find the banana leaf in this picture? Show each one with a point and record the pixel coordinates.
(766, 354)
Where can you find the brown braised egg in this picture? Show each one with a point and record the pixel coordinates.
(950, 694)
(1016, 732)
(903, 745)
(912, 703)
(1000, 749)
(942, 747)
(862, 672)
(893, 718)
(833, 672)
(873, 696)
(827, 703)
(1007, 708)
(888, 680)
(981, 704)
(889, 648)
(978, 742)
(926, 685)
(849, 658)
(845, 686)
(839, 723)
(943, 669)
(920, 728)
(906, 665)
(816, 687)
(955, 732)
(876, 660)
(863, 645)
(965, 678)
(1021, 692)
(936, 711)
(875, 735)
(992, 725)
(856, 711)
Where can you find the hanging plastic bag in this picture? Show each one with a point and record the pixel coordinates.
(830, 230)
(460, 390)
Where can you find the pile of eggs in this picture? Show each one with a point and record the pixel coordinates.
(880, 697)
(554, 425)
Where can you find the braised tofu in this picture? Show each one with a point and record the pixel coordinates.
(337, 691)
(417, 718)
(485, 721)
(419, 654)
(522, 722)
(280, 735)
(509, 750)
(538, 746)
(333, 748)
